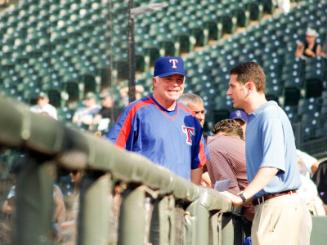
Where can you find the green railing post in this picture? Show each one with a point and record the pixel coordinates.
(228, 230)
(93, 223)
(215, 229)
(199, 224)
(132, 217)
(70, 148)
(163, 220)
(34, 190)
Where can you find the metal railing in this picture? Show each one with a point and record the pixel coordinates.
(180, 212)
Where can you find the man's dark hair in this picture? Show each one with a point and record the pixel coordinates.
(250, 71)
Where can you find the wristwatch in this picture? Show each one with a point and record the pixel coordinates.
(241, 195)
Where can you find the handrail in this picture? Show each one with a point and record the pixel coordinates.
(74, 149)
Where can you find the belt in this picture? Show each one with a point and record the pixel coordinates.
(266, 197)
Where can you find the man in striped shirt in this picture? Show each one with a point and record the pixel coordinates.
(227, 159)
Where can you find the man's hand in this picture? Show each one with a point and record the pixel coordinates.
(236, 200)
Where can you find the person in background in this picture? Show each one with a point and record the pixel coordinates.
(283, 5)
(196, 105)
(310, 48)
(107, 114)
(44, 107)
(139, 90)
(160, 128)
(308, 165)
(271, 163)
(227, 162)
(84, 117)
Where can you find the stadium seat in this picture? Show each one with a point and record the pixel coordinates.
(273, 97)
(66, 114)
(186, 42)
(214, 27)
(268, 6)
(314, 68)
(292, 96)
(309, 106)
(229, 22)
(310, 124)
(55, 98)
(313, 87)
(292, 113)
(219, 114)
(256, 10)
(74, 91)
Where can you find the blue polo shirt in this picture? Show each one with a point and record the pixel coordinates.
(270, 143)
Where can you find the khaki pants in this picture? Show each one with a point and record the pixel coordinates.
(281, 220)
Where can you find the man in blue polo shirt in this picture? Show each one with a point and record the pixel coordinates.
(280, 215)
(161, 129)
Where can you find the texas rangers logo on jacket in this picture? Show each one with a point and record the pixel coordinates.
(189, 131)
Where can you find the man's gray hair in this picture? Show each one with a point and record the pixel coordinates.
(190, 98)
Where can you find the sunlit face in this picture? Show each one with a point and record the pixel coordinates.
(43, 101)
(107, 102)
(167, 90)
(89, 102)
(199, 111)
(310, 39)
(237, 91)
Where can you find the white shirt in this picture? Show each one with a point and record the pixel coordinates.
(47, 108)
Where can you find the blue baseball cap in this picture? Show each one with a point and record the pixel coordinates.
(239, 114)
(168, 65)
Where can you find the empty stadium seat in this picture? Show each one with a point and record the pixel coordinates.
(292, 96)
(313, 87)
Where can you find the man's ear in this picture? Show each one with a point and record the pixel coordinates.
(250, 86)
(154, 82)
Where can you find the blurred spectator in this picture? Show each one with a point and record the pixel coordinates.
(4, 3)
(107, 114)
(42, 106)
(310, 48)
(59, 213)
(69, 227)
(308, 165)
(320, 179)
(283, 5)
(139, 90)
(308, 189)
(9, 205)
(73, 199)
(84, 116)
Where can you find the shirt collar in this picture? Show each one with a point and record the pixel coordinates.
(262, 107)
(161, 107)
